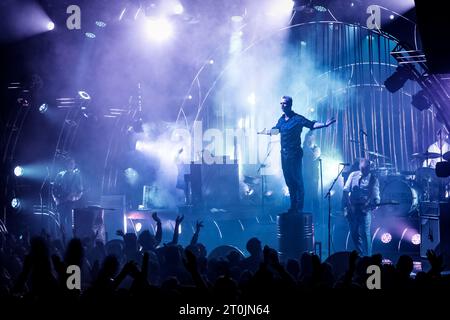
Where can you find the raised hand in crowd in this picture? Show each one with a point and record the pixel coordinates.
(176, 231)
(158, 235)
(198, 226)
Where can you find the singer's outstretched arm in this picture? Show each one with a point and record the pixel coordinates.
(320, 125)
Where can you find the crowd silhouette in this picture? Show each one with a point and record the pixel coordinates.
(143, 268)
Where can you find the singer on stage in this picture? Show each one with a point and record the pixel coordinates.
(290, 127)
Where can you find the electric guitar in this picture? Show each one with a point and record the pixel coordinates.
(358, 201)
(371, 207)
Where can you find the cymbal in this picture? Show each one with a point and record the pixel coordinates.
(375, 154)
(446, 156)
(425, 155)
(383, 168)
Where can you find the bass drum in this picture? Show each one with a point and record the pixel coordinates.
(400, 192)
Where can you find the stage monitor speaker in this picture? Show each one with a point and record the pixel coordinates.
(434, 28)
(444, 227)
(115, 208)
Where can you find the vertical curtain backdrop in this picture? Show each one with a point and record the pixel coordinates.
(353, 64)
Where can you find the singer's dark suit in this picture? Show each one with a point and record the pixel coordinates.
(291, 156)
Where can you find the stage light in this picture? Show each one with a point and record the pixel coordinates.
(15, 203)
(18, 171)
(241, 123)
(151, 9)
(131, 175)
(211, 61)
(237, 11)
(398, 79)
(237, 19)
(251, 99)
(178, 8)
(100, 24)
(140, 146)
(386, 237)
(391, 17)
(415, 239)
(138, 227)
(159, 29)
(189, 97)
(43, 108)
(303, 43)
(421, 101)
(84, 95)
(50, 26)
(320, 8)
(280, 8)
(122, 13)
(352, 4)
(330, 168)
(90, 35)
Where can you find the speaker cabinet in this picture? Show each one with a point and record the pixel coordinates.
(444, 227)
(115, 209)
(215, 185)
(429, 234)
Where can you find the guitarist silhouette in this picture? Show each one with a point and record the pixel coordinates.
(67, 190)
(361, 195)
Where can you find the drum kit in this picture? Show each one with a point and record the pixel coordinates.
(408, 189)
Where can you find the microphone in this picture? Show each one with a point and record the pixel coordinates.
(344, 164)
(264, 132)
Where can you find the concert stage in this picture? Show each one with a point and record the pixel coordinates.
(220, 145)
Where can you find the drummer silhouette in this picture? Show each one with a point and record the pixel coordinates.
(441, 146)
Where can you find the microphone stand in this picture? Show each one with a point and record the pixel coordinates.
(322, 220)
(263, 165)
(328, 195)
(41, 190)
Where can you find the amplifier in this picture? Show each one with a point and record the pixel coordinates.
(215, 185)
(429, 227)
(114, 215)
(429, 234)
(429, 208)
